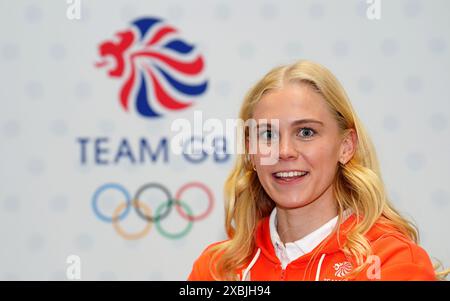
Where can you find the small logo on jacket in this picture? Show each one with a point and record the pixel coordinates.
(342, 269)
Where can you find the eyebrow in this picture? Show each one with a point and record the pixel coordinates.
(303, 121)
(293, 123)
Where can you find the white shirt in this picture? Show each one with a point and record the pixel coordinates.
(290, 251)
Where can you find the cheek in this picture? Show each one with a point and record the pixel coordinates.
(264, 173)
(265, 178)
(321, 158)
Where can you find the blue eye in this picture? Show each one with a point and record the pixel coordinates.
(268, 135)
(307, 132)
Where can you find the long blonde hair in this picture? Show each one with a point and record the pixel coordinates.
(357, 185)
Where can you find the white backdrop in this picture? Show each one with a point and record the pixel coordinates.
(396, 71)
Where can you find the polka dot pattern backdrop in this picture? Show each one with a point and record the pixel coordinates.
(396, 71)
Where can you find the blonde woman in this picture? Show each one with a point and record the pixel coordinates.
(320, 210)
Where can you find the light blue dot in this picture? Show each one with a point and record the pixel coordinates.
(84, 242)
(413, 84)
(440, 198)
(222, 11)
(34, 90)
(11, 204)
(57, 52)
(83, 90)
(11, 129)
(59, 204)
(316, 10)
(36, 166)
(415, 161)
(390, 123)
(412, 8)
(437, 45)
(35, 242)
(365, 84)
(10, 52)
(33, 14)
(58, 127)
(389, 47)
(269, 11)
(246, 50)
(438, 122)
(340, 48)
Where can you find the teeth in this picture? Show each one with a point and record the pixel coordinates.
(290, 174)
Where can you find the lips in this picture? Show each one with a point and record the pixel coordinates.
(290, 177)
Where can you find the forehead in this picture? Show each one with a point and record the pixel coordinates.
(292, 102)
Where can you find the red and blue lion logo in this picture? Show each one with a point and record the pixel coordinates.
(160, 71)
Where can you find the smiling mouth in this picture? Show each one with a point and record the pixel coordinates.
(289, 176)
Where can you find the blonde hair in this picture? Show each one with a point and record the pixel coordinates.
(357, 185)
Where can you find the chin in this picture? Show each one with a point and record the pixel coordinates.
(292, 204)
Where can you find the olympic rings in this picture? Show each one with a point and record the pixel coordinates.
(111, 186)
(131, 236)
(158, 216)
(144, 212)
(189, 216)
(175, 235)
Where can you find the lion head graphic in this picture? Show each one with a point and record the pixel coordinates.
(342, 268)
(158, 70)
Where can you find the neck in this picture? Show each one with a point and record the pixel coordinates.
(295, 223)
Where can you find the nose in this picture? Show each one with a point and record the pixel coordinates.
(287, 149)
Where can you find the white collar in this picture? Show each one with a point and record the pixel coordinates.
(290, 251)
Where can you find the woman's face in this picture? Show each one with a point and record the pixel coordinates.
(309, 142)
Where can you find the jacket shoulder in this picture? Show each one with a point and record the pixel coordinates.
(399, 258)
(201, 269)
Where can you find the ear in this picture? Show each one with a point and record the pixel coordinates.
(348, 146)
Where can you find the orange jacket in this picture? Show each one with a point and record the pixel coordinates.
(395, 257)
